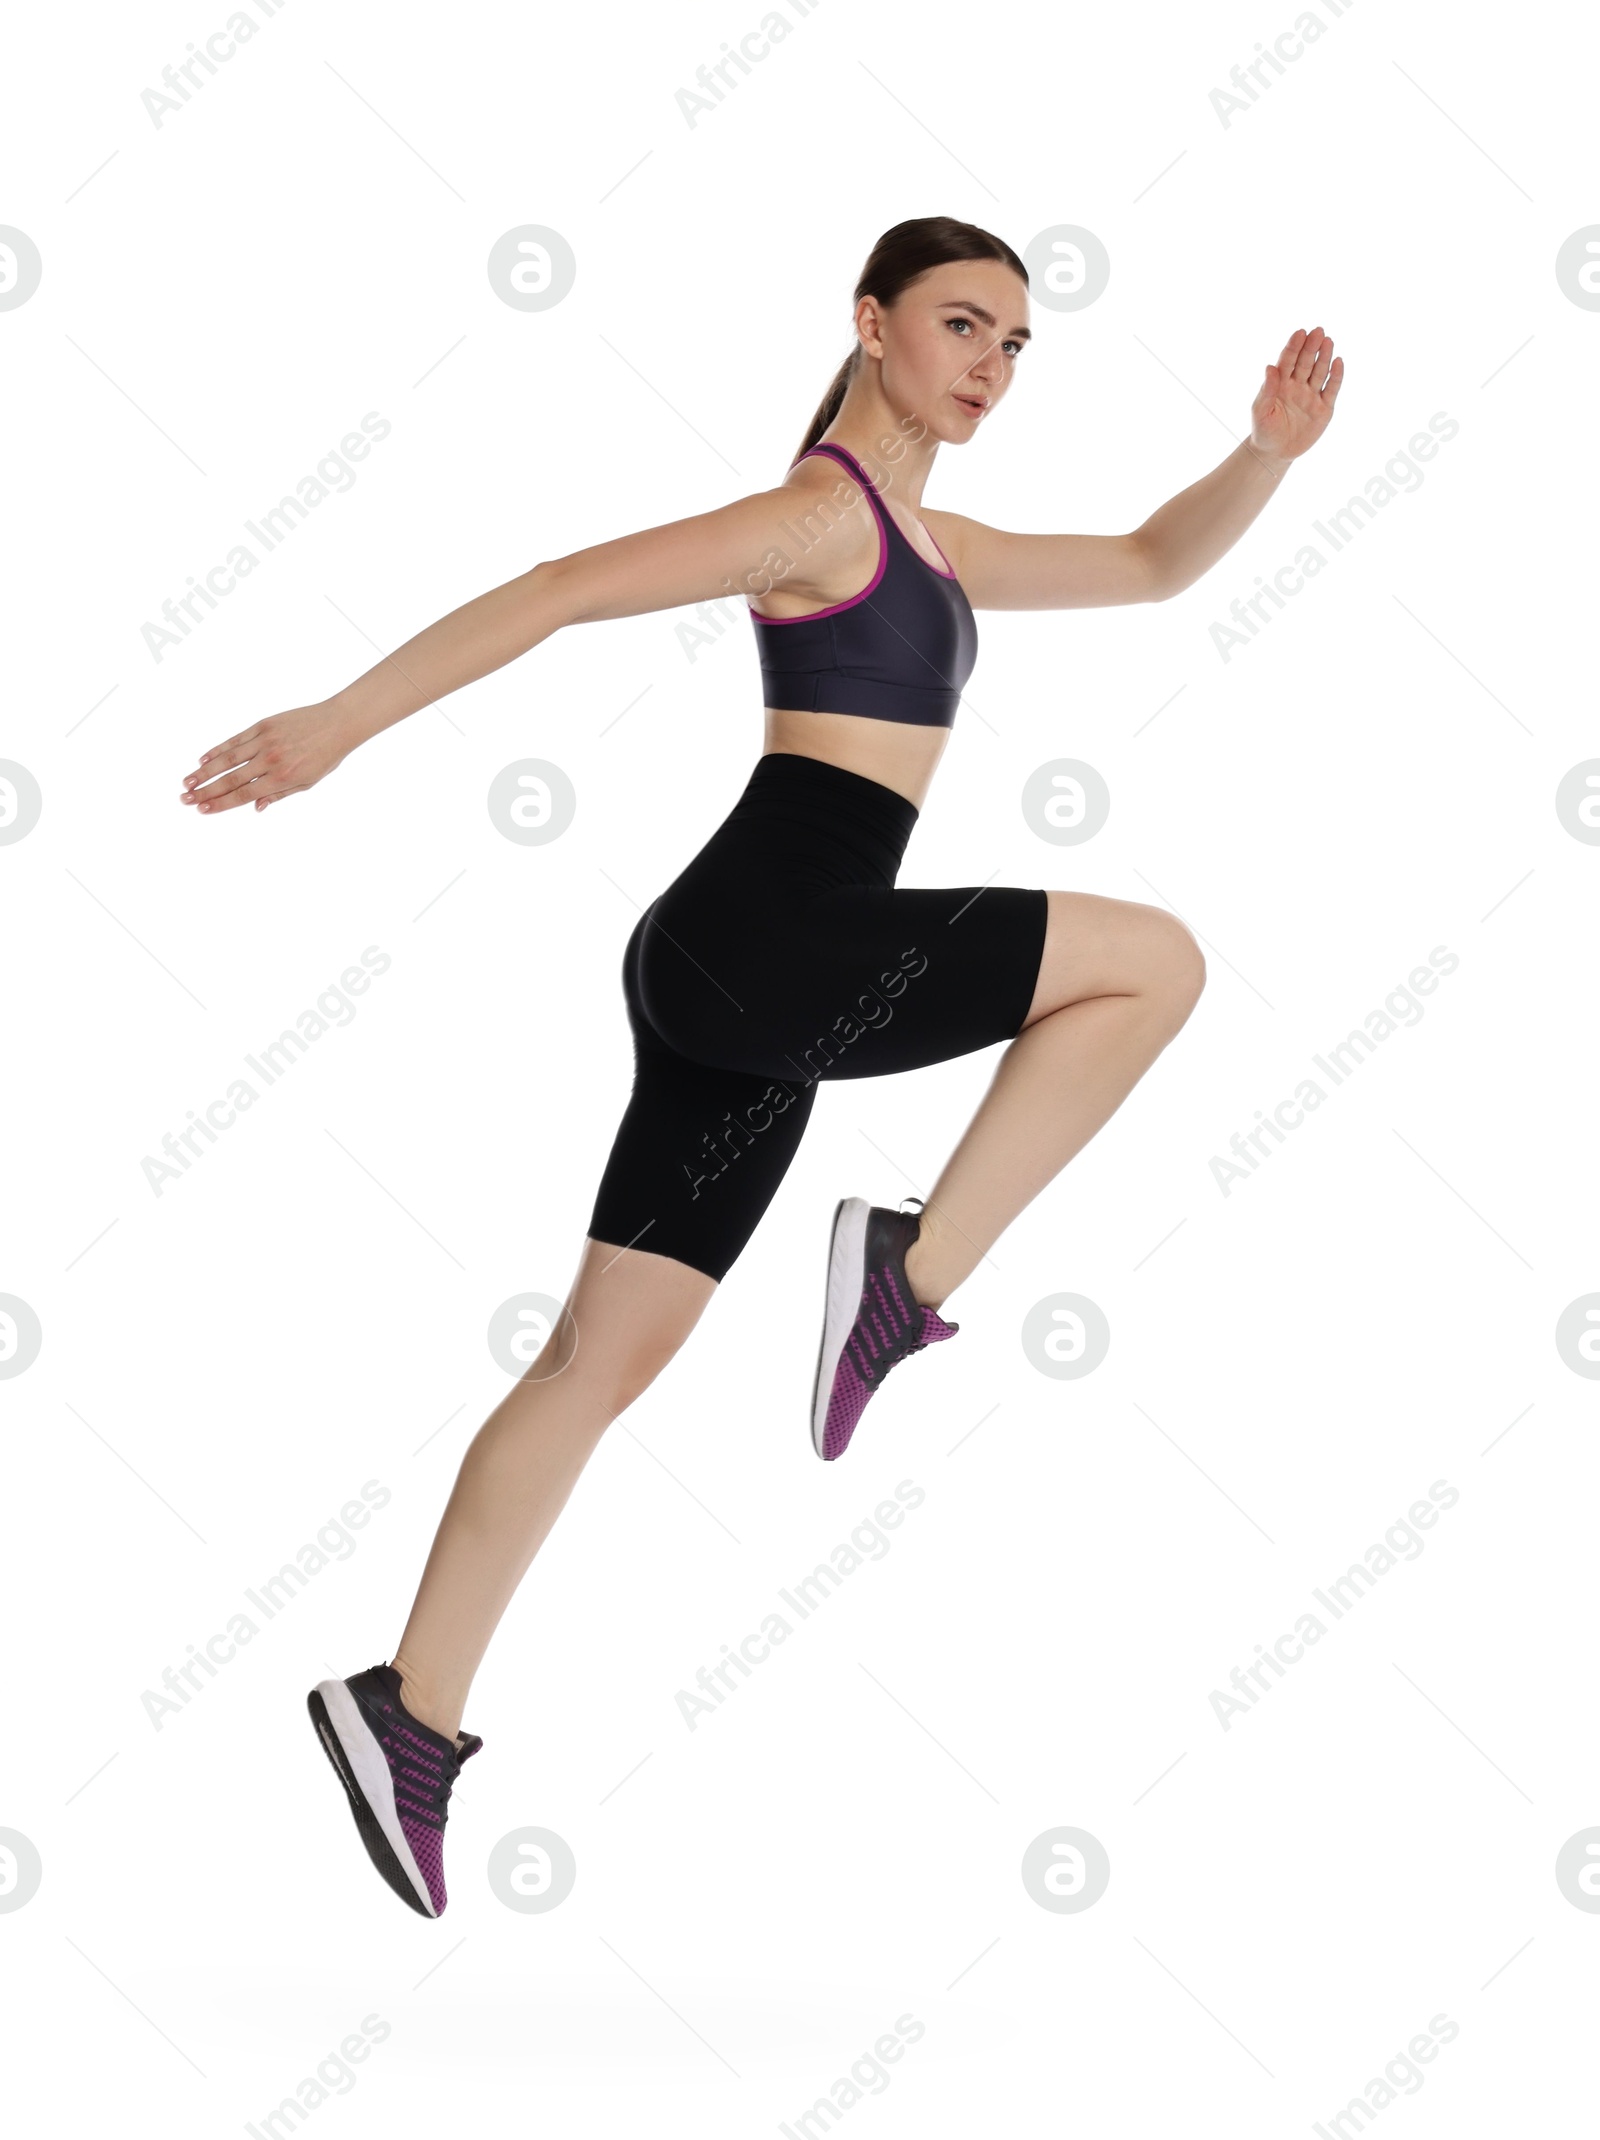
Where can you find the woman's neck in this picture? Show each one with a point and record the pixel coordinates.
(884, 444)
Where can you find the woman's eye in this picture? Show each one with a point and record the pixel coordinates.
(1012, 348)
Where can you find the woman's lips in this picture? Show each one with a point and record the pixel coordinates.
(972, 403)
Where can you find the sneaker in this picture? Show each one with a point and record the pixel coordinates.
(398, 1773)
(871, 1322)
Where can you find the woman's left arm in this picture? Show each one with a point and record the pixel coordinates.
(1181, 539)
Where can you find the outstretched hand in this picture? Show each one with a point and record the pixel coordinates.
(279, 756)
(1295, 404)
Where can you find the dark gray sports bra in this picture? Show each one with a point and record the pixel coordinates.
(900, 650)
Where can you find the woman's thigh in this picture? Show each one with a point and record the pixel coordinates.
(855, 981)
(702, 1147)
(698, 1156)
(1095, 946)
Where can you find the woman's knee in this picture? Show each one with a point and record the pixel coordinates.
(1180, 966)
(1095, 946)
(632, 1313)
(612, 1367)
(625, 1380)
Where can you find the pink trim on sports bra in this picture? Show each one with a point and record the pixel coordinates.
(904, 537)
(872, 493)
(950, 575)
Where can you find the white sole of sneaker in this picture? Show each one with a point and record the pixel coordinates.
(363, 1756)
(846, 1255)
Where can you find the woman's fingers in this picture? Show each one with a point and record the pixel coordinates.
(227, 790)
(226, 802)
(224, 755)
(1310, 351)
(237, 771)
(201, 786)
(1289, 351)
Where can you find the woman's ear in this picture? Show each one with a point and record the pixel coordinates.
(869, 326)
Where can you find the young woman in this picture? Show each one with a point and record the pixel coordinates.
(784, 953)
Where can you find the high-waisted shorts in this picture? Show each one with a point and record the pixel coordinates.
(781, 957)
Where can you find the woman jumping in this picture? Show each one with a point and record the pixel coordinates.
(784, 954)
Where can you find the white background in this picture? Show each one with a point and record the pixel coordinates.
(1291, 1365)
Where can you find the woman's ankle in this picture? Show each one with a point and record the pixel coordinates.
(437, 1711)
(922, 1270)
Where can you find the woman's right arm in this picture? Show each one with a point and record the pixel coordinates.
(665, 567)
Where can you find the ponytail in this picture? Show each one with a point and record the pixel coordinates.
(832, 401)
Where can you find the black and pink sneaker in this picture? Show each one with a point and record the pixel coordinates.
(872, 1321)
(398, 1772)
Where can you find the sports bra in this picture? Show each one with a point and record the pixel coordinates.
(900, 650)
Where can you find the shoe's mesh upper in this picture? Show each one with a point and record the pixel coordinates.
(869, 1354)
(427, 1847)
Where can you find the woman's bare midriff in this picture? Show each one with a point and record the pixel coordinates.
(896, 754)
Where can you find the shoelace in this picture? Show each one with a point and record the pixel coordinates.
(883, 1358)
(423, 1774)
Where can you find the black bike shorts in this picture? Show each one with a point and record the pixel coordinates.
(782, 956)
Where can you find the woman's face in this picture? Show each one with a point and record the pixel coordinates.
(949, 344)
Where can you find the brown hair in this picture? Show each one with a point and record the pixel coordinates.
(899, 257)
